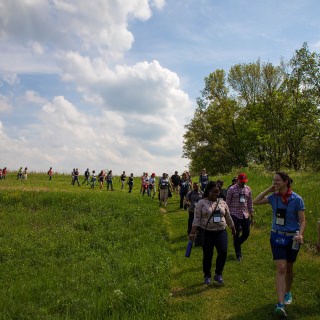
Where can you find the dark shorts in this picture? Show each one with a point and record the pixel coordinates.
(284, 252)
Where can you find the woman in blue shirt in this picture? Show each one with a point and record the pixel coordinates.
(288, 226)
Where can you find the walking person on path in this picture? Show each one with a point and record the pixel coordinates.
(123, 179)
(287, 231)
(192, 198)
(109, 179)
(50, 173)
(212, 215)
(76, 177)
(86, 176)
(203, 179)
(93, 179)
(164, 186)
(4, 173)
(239, 201)
(184, 189)
(130, 182)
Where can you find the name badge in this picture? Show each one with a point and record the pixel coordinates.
(281, 217)
(217, 216)
(242, 198)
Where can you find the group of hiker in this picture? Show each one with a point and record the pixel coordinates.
(213, 209)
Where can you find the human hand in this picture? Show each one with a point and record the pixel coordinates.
(192, 236)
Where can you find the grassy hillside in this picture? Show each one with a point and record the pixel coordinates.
(69, 252)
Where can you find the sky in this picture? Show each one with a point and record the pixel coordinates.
(111, 84)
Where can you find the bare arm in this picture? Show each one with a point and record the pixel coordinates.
(262, 197)
(302, 222)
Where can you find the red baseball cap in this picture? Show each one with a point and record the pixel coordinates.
(242, 178)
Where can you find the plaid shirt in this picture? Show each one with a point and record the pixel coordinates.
(240, 209)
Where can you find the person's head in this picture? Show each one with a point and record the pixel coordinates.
(131, 175)
(184, 176)
(123, 172)
(220, 183)
(212, 191)
(176, 172)
(153, 175)
(282, 181)
(93, 171)
(242, 179)
(234, 180)
(195, 186)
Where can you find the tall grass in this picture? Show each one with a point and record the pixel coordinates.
(69, 252)
(80, 253)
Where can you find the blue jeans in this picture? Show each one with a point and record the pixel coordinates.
(219, 240)
(242, 233)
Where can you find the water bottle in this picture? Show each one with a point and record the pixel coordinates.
(295, 243)
(189, 248)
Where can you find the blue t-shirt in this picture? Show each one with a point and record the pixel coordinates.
(294, 205)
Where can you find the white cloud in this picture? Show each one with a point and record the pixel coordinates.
(37, 48)
(34, 97)
(138, 124)
(5, 106)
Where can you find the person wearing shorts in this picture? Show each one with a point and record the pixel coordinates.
(288, 226)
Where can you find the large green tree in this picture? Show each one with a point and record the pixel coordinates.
(258, 113)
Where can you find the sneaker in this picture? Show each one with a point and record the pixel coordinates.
(288, 298)
(218, 278)
(239, 258)
(207, 280)
(279, 311)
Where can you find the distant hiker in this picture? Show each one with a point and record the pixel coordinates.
(152, 185)
(213, 216)
(175, 182)
(50, 173)
(223, 192)
(93, 179)
(130, 182)
(142, 180)
(145, 184)
(164, 187)
(25, 173)
(288, 226)
(239, 201)
(123, 179)
(101, 176)
(72, 176)
(76, 177)
(19, 174)
(86, 176)
(184, 189)
(109, 179)
(203, 179)
(4, 173)
(192, 198)
(233, 182)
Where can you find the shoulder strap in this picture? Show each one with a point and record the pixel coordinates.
(212, 213)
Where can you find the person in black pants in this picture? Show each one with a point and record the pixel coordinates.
(184, 188)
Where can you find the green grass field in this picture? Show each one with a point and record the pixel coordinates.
(69, 252)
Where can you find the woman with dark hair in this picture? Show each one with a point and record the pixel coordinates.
(212, 214)
(288, 226)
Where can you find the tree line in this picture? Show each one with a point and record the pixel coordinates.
(258, 113)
